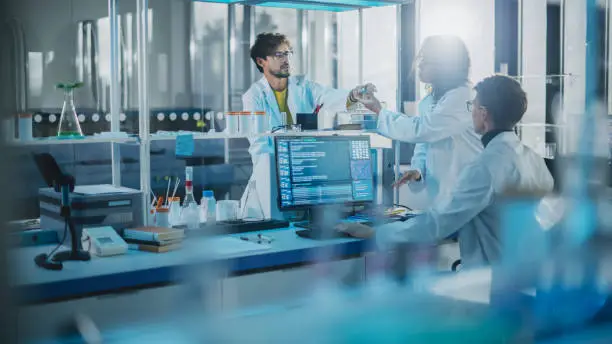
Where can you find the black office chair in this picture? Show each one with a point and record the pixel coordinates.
(456, 265)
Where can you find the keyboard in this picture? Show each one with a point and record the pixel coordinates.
(240, 226)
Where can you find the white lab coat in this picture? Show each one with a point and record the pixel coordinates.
(505, 164)
(444, 136)
(303, 97)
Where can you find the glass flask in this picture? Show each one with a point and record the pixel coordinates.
(69, 123)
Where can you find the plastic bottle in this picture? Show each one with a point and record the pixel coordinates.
(208, 211)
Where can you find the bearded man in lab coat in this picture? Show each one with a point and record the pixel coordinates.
(279, 92)
(505, 164)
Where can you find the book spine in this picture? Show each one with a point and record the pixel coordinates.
(139, 235)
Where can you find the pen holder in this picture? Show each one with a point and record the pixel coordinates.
(162, 217)
(308, 121)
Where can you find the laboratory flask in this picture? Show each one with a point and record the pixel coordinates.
(69, 123)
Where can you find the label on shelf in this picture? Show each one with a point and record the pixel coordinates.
(184, 145)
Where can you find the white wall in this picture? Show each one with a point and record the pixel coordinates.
(533, 71)
(320, 49)
(594, 138)
(380, 52)
(209, 26)
(348, 49)
(51, 33)
(574, 62)
(472, 20)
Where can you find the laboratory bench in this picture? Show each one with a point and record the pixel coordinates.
(141, 295)
(121, 289)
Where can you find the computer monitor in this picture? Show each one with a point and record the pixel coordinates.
(315, 171)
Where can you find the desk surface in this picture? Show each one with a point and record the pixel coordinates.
(138, 268)
(381, 314)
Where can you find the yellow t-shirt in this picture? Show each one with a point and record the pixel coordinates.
(281, 100)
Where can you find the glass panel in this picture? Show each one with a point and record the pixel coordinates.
(70, 42)
(207, 56)
(533, 71)
(348, 49)
(285, 21)
(193, 97)
(320, 47)
(380, 52)
(471, 21)
(74, 45)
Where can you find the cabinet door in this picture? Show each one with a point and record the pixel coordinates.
(289, 285)
(379, 264)
(108, 311)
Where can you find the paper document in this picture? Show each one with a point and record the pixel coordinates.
(100, 189)
(184, 145)
(228, 246)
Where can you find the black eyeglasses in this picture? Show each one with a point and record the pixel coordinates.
(470, 105)
(282, 54)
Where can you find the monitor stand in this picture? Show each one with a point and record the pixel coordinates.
(320, 225)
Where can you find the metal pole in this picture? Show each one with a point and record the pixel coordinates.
(300, 40)
(396, 144)
(360, 46)
(229, 64)
(229, 49)
(305, 32)
(562, 119)
(115, 88)
(519, 60)
(607, 58)
(143, 104)
(334, 47)
(587, 143)
(252, 70)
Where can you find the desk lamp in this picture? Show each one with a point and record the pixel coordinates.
(64, 183)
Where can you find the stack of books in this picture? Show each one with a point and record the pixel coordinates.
(154, 239)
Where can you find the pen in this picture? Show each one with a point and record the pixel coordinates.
(317, 109)
(262, 237)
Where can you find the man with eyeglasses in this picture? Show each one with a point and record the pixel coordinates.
(505, 165)
(278, 92)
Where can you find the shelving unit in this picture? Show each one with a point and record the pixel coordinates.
(144, 139)
(320, 5)
(88, 139)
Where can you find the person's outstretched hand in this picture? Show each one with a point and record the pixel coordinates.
(356, 230)
(364, 94)
(407, 177)
(362, 91)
